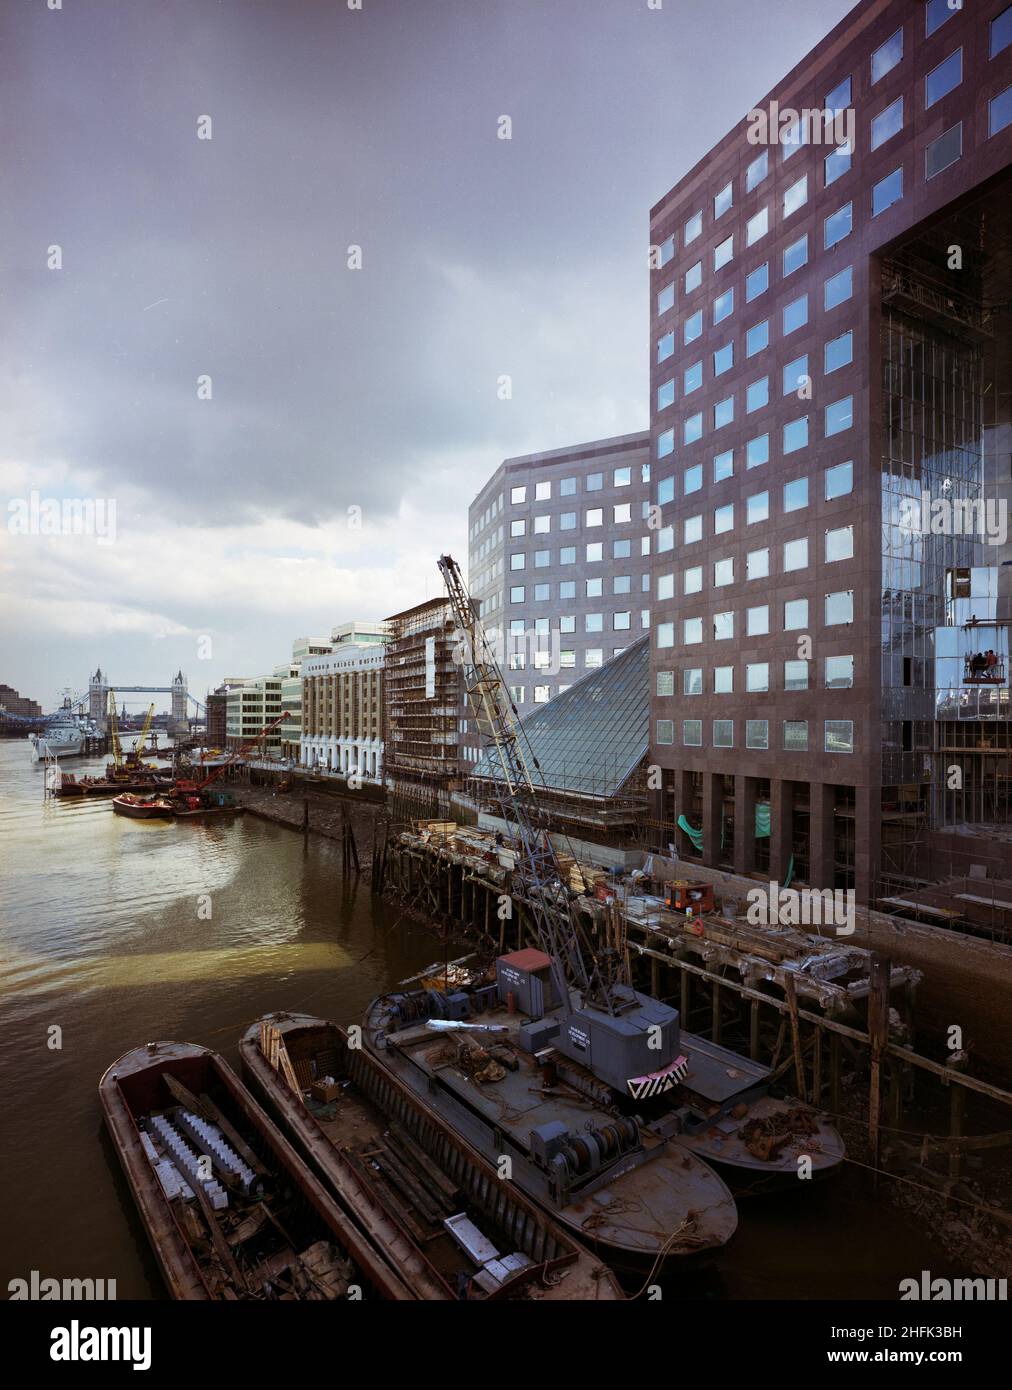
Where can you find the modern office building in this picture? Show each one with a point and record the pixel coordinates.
(342, 703)
(559, 563)
(830, 349)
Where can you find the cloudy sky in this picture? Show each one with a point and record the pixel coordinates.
(331, 389)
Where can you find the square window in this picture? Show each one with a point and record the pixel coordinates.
(692, 631)
(567, 623)
(723, 252)
(595, 482)
(665, 731)
(836, 164)
(796, 735)
(692, 530)
(887, 191)
(756, 227)
(593, 588)
(595, 552)
(723, 573)
(759, 168)
(665, 491)
(692, 327)
(757, 564)
(665, 634)
(757, 508)
(757, 451)
(567, 589)
(885, 57)
(518, 495)
(936, 12)
(692, 378)
(839, 98)
(567, 555)
(795, 614)
(757, 338)
(757, 394)
(795, 494)
(542, 525)
(665, 683)
(795, 314)
(887, 123)
(999, 112)
(518, 560)
(757, 733)
(723, 412)
(567, 487)
(694, 277)
(796, 554)
(757, 677)
(518, 528)
(593, 656)
(839, 481)
(593, 622)
(693, 228)
(795, 435)
(693, 479)
(692, 580)
(542, 559)
(594, 516)
(1001, 32)
(757, 620)
(622, 477)
(839, 416)
(692, 429)
(838, 352)
(723, 465)
(542, 593)
(517, 593)
(840, 544)
(943, 151)
(665, 347)
(837, 225)
(723, 359)
(757, 282)
(666, 299)
(692, 733)
(723, 519)
(795, 255)
(723, 680)
(667, 250)
(723, 627)
(941, 80)
(795, 675)
(621, 512)
(723, 306)
(621, 621)
(723, 733)
(692, 680)
(567, 521)
(838, 288)
(796, 196)
(723, 201)
(666, 394)
(839, 736)
(838, 672)
(665, 586)
(839, 608)
(796, 375)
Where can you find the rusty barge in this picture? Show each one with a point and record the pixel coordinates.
(230, 1210)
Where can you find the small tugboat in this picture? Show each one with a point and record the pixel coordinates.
(436, 1208)
(190, 801)
(141, 807)
(229, 1208)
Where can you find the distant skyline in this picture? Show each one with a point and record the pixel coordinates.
(353, 413)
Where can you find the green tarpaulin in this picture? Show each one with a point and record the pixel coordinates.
(762, 828)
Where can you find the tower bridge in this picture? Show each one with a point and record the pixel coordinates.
(99, 686)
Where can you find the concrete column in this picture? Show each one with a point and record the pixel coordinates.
(820, 834)
(713, 808)
(781, 825)
(867, 841)
(744, 824)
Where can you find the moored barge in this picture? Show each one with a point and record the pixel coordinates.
(229, 1208)
(436, 1208)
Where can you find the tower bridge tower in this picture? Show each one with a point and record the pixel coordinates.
(98, 698)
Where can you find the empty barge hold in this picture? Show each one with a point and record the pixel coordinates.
(617, 1184)
(142, 807)
(263, 1226)
(430, 1203)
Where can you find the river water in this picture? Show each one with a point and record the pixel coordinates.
(104, 936)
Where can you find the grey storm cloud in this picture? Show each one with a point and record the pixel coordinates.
(335, 127)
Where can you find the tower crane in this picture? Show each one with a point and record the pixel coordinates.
(627, 1039)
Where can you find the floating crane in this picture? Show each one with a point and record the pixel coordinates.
(136, 757)
(626, 1039)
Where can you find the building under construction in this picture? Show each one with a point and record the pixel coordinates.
(422, 702)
